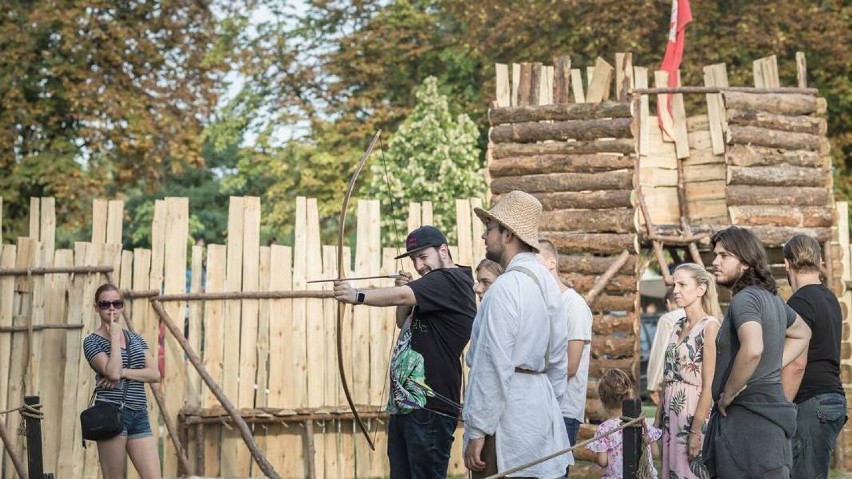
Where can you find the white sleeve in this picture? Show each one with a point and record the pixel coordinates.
(579, 317)
(656, 357)
(492, 366)
(557, 366)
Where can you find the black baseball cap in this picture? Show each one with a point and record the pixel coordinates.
(422, 238)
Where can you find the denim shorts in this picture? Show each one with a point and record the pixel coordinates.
(136, 424)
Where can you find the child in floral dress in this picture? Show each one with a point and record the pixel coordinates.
(614, 387)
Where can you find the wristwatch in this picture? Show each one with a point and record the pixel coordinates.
(359, 297)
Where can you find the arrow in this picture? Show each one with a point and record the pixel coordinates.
(388, 276)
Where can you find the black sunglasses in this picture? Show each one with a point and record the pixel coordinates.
(104, 305)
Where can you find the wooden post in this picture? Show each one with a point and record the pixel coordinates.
(35, 465)
(9, 447)
(632, 408)
(801, 70)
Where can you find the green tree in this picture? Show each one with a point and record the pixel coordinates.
(433, 156)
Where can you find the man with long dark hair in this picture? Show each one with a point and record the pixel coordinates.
(752, 423)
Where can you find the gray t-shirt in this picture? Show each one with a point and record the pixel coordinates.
(767, 309)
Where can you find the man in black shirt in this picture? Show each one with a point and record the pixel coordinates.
(812, 381)
(435, 314)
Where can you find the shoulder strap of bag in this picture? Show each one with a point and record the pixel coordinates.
(533, 277)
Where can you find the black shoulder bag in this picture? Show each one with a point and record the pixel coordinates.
(104, 420)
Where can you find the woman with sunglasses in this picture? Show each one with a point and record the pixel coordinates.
(122, 365)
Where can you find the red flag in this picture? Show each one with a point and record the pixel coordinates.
(681, 16)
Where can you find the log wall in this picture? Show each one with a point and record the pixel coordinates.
(576, 153)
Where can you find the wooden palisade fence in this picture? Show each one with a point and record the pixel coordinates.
(273, 358)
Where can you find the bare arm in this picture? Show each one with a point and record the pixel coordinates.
(792, 374)
(391, 296)
(109, 366)
(149, 374)
(796, 341)
(602, 459)
(705, 400)
(575, 353)
(748, 357)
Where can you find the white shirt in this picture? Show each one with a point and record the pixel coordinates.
(579, 316)
(517, 324)
(657, 355)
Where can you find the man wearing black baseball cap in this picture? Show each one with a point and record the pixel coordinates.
(435, 313)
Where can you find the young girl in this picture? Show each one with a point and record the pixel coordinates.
(614, 387)
(117, 363)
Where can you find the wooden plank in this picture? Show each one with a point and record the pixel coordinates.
(262, 397)
(561, 79)
(99, 221)
(35, 218)
(174, 281)
(146, 322)
(657, 177)
(114, 221)
(297, 390)
(679, 124)
(477, 228)
(601, 83)
(577, 86)
(465, 238)
(195, 319)
(32, 378)
(547, 85)
(801, 70)
(640, 75)
(503, 93)
(47, 227)
(757, 72)
(316, 366)
(250, 307)
(231, 442)
(699, 141)
(279, 450)
(427, 213)
(525, 85)
(623, 75)
(52, 377)
(7, 311)
(715, 108)
(516, 82)
(213, 358)
(535, 83)
(705, 190)
(705, 172)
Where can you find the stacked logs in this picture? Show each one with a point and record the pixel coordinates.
(577, 159)
(779, 171)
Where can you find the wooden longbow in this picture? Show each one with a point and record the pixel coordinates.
(341, 308)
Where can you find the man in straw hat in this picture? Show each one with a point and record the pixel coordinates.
(518, 354)
(434, 313)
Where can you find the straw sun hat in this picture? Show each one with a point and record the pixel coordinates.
(518, 212)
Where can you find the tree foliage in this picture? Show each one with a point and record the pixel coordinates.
(434, 157)
(100, 95)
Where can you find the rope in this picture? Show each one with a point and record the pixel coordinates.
(29, 412)
(513, 470)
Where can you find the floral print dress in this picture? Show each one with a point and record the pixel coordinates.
(682, 379)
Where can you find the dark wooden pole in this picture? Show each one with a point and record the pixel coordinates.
(256, 453)
(35, 463)
(632, 408)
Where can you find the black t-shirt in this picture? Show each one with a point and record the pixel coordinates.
(440, 329)
(820, 309)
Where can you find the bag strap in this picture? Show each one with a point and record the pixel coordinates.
(526, 271)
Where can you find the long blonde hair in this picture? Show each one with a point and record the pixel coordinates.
(710, 300)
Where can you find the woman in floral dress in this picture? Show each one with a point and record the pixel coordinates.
(688, 373)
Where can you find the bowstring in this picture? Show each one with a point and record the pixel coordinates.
(394, 335)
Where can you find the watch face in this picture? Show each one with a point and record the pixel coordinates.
(360, 297)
